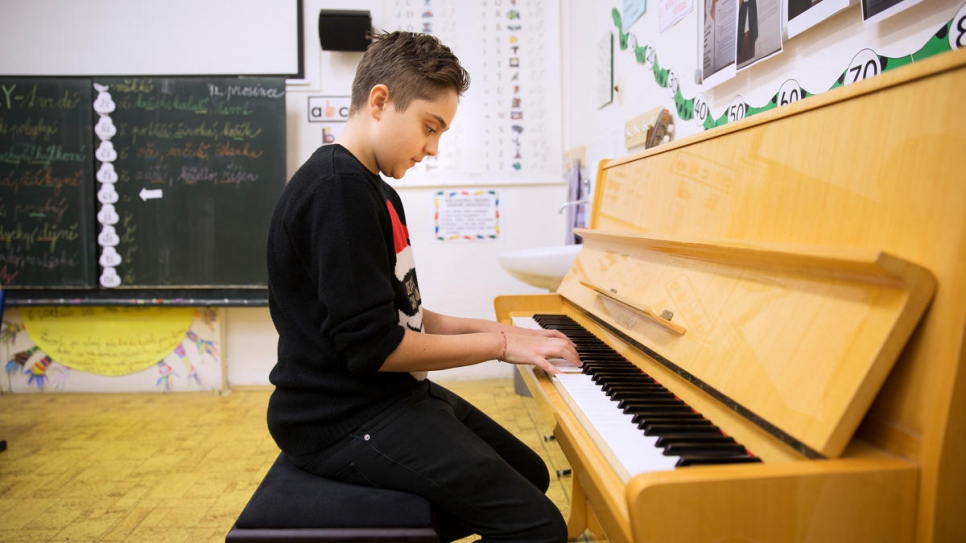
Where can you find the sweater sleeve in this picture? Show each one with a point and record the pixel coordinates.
(341, 232)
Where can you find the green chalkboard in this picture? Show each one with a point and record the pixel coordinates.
(46, 201)
(187, 172)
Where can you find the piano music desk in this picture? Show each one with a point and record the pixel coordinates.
(846, 211)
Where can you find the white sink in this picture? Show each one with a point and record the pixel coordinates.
(542, 267)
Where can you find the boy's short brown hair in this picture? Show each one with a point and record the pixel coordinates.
(413, 66)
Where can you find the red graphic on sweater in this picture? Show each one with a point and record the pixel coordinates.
(400, 234)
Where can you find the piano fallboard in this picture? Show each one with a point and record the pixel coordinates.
(797, 339)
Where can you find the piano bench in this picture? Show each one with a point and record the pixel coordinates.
(294, 505)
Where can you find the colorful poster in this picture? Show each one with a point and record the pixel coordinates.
(467, 215)
(193, 364)
(107, 340)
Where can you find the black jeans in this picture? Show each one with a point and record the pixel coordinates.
(479, 477)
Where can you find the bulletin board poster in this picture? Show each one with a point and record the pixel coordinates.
(465, 215)
(508, 125)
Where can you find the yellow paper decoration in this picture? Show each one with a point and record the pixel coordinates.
(107, 340)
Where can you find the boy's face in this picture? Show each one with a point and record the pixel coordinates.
(407, 137)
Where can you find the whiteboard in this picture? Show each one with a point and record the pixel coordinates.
(142, 37)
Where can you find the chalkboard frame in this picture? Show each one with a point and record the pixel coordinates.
(194, 297)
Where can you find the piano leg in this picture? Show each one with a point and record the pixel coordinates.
(577, 519)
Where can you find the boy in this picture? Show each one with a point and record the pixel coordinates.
(351, 401)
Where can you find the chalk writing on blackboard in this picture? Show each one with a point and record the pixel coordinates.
(199, 164)
(45, 173)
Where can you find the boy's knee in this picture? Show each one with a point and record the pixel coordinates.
(541, 477)
(549, 525)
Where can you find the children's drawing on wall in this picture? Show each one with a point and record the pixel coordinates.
(720, 21)
(759, 33)
(800, 15)
(110, 349)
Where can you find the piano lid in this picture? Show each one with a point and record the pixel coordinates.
(797, 339)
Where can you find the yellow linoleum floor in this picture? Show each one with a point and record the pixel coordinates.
(170, 467)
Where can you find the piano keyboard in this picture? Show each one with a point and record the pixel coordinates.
(639, 425)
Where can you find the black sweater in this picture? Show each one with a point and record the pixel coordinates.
(341, 288)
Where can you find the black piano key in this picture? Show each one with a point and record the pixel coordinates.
(601, 378)
(629, 374)
(666, 409)
(664, 417)
(708, 460)
(710, 437)
(704, 449)
(607, 387)
(602, 353)
(633, 388)
(694, 427)
(643, 402)
(625, 394)
(604, 363)
(626, 376)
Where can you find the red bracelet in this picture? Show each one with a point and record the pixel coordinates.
(503, 357)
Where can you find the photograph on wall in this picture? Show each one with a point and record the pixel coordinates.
(803, 14)
(874, 11)
(720, 21)
(759, 34)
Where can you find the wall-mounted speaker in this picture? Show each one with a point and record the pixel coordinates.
(344, 30)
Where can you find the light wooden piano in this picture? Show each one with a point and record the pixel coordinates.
(799, 279)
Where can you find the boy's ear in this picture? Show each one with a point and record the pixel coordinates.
(378, 100)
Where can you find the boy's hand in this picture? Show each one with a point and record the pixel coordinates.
(539, 347)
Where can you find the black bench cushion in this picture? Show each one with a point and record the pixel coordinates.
(291, 498)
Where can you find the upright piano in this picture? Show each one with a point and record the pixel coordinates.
(772, 318)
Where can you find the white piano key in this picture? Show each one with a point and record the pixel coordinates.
(526, 322)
